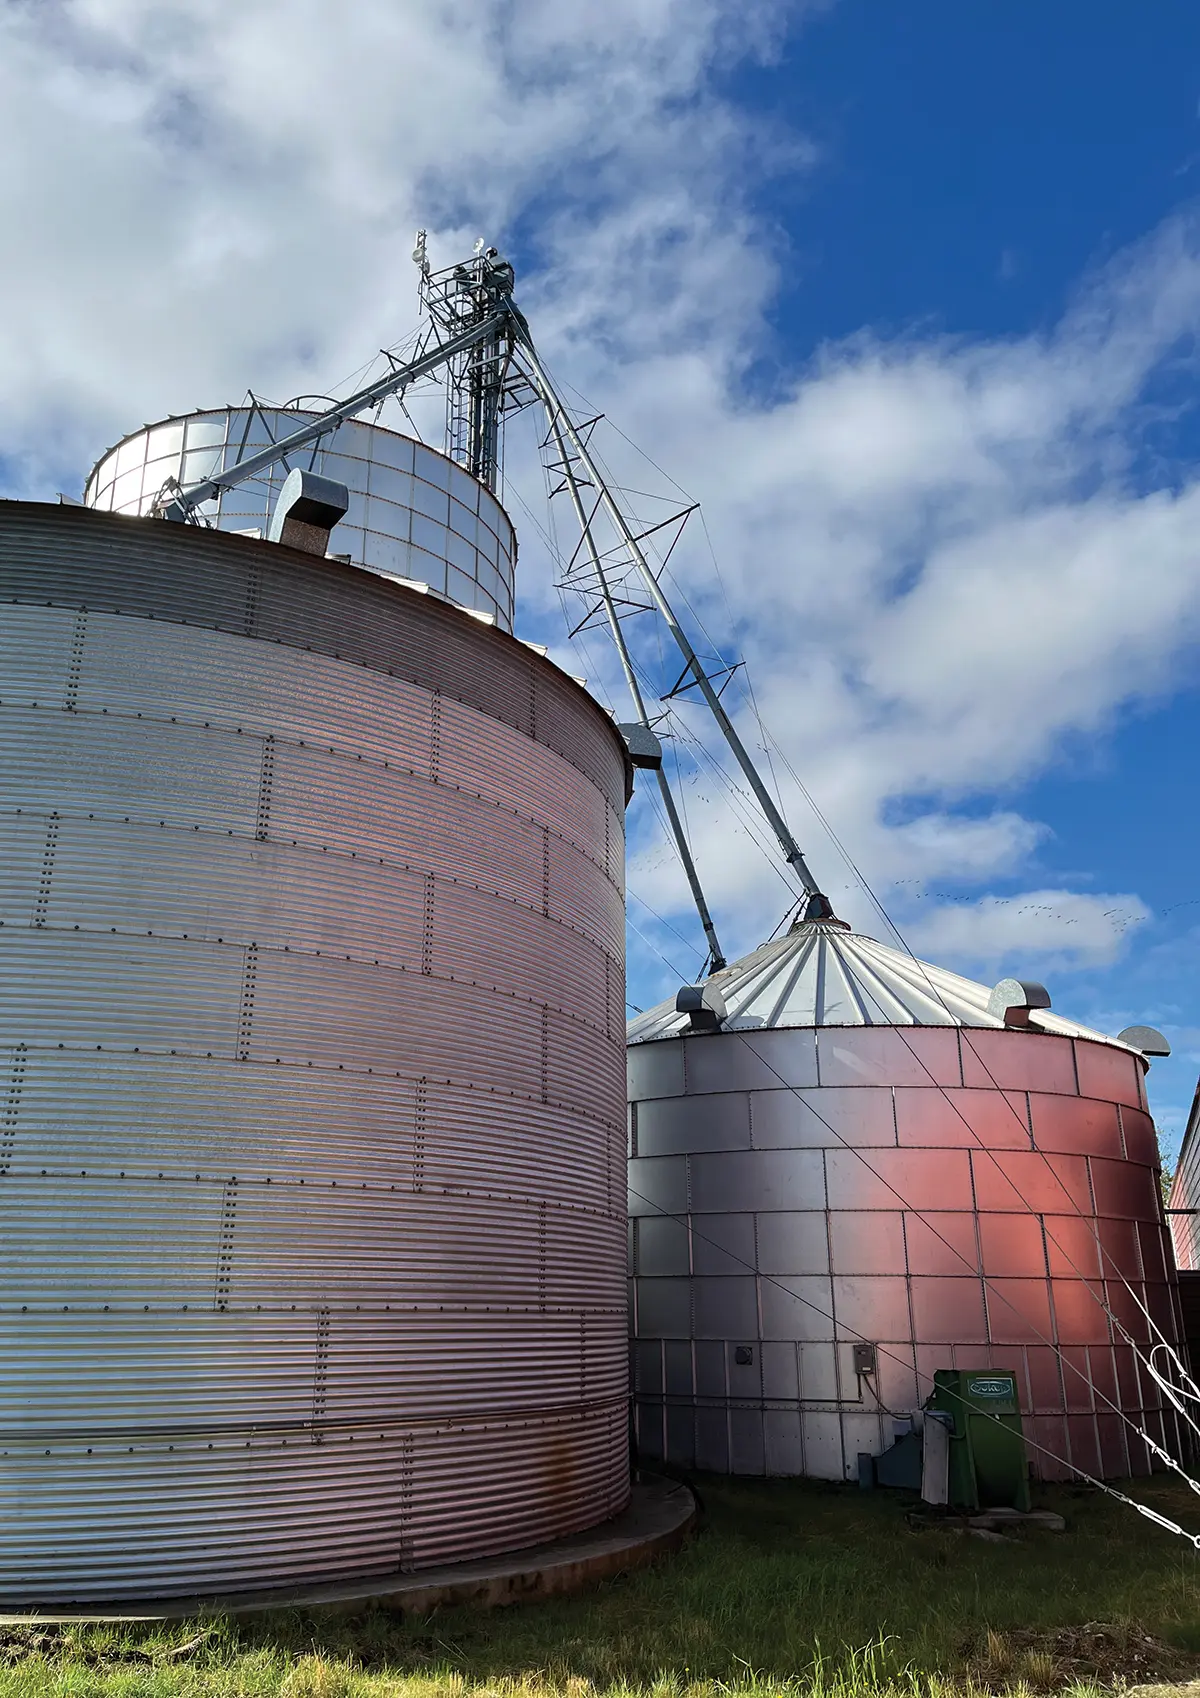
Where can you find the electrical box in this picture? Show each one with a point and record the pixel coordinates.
(988, 1467)
(864, 1358)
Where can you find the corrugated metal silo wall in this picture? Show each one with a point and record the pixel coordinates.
(935, 1192)
(312, 1183)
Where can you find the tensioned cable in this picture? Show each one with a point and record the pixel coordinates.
(975, 1273)
(651, 945)
(741, 803)
(1105, 1255)
(662, 922)
(740, 799)
(988, 1284)
(1063, 1462)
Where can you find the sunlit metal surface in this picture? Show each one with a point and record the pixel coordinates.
(823, 974)
(312, 1168)
(413, 514)
(954, 1194)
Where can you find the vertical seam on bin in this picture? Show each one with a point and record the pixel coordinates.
(12, 1106)
(404, 1551)
(427, 926)
(320, 1376)
(420, 1121)
(41, 901)
(435, 735)
(253, 595)
(266, 780)
(246, 1002)
(224, 1275)
(75, 661)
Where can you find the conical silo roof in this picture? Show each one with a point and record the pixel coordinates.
(821, 973)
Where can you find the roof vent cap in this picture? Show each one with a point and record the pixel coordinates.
(704, 1005)
(1013, 999)
(307, 509)
(645, 750)
(1145, 1038)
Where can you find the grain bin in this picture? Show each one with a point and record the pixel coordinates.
(865, 1174)
(312, 1200)
(413, 514)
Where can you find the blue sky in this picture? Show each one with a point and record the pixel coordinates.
(908, 295)
(976, 163)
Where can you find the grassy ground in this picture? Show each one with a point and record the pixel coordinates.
(817, 1592)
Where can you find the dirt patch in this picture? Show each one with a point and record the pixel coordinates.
(1110, 1653)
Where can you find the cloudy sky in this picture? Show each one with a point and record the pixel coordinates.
(906, 295)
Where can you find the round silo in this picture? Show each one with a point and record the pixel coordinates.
(312, 1207)
(414, 515)
(863, 1155)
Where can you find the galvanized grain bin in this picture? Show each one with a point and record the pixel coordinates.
(865, 1176)
(413, 513)
(312, 1180)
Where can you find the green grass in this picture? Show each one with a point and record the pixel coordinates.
(789, 1587)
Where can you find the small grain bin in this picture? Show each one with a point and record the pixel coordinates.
(847, 1171)
(312, 1203)
(413, 515)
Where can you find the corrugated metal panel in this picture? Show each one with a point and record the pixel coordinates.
(477, 757)
(329, 802)
(580, 894)
(370, 1501)
(257, 688)
(51, 761)
(35, 651)
(68, 557)
(122, 878)
(311, 1216)
(90, 991)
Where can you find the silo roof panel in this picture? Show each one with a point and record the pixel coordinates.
(823, 974)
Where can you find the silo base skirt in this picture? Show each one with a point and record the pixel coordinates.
(658, 1519)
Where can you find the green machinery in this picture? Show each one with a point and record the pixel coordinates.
(987, 1466)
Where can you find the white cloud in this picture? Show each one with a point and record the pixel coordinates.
(947, 559)
(203, 201)
(943, 555)
(1043, 929)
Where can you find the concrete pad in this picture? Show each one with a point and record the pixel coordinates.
(659, 1517)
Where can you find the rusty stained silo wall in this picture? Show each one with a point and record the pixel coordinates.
(312, 1180)
(413, 513)
(958, 1229)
